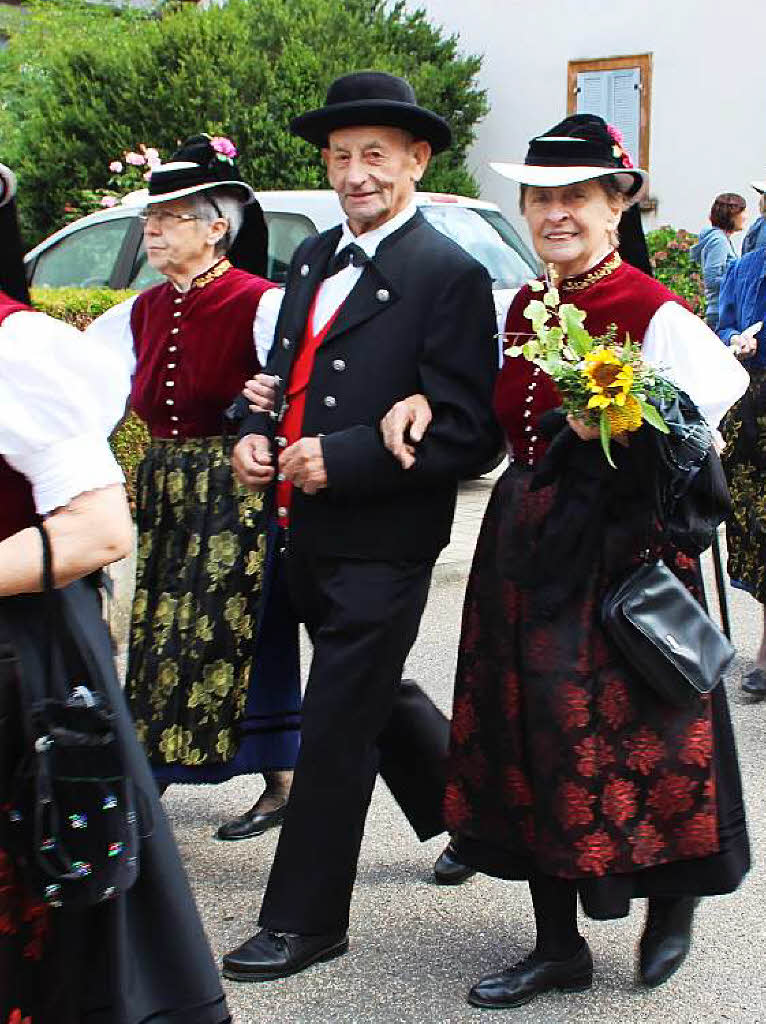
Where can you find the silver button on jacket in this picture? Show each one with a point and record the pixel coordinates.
(329, 401)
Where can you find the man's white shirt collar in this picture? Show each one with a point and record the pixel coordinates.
(370, 240)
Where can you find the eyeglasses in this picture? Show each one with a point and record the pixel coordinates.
(164, 217)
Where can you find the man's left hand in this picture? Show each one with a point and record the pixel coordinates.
(303, 465)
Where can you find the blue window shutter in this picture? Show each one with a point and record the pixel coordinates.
(615, 96)
(593, 93)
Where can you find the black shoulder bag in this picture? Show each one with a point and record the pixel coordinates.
(73, 823)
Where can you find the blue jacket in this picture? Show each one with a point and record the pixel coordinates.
(713, 251)
(743, 303)
(755, 237)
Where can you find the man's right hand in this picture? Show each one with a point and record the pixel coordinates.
(260, 392)
(251, 461)
(403, 427)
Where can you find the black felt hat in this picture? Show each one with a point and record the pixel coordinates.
(200, 164)
(579, 148)
(12, 277)
(372, 98)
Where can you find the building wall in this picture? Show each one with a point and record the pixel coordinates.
(708, 130)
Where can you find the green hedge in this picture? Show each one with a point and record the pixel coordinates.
(673, 266)
(79, 306)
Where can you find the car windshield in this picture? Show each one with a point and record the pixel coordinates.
(489, 238)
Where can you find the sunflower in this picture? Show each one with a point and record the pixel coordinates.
(624, 419)
(608, 378)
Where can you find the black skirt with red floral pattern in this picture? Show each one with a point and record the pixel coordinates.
(561, 760)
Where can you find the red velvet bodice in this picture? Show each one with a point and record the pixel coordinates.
(194, 351)
(17, 509)
(609, 294)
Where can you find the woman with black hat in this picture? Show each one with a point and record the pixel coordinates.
(208, 701)
(141, 956)
(564, 770)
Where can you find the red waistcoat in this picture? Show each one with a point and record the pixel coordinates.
(295, 395)
(17, 509)
(623, 296)
(194, 351)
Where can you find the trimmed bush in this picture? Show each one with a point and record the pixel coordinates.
(74, 98)
(673, 266)
(79, 306)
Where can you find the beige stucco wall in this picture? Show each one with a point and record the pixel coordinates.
(708, 131)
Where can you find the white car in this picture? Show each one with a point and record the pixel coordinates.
(105, 248)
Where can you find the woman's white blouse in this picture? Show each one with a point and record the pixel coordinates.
(61, 395)
(685, 349)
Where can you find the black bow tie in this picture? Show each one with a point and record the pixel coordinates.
(352, 255)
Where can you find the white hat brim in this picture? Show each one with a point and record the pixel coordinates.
(142, 197)
(759, 186)
(9, 184)
(555, 177)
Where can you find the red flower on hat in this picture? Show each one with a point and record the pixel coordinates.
(224, 146)
(617, 149)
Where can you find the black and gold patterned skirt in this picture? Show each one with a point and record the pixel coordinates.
(744, 460)
(201, 553)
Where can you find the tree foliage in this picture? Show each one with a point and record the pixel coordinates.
(82, 84)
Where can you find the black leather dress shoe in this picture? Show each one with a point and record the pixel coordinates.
(448, 869)
(251, 823)
(531, 977)
(269, 955)
(666, 941)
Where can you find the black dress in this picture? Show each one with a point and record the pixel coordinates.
(139, 959)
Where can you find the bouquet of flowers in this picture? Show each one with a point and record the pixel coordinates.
(602, 382)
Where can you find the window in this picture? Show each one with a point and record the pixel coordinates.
(619, 90)
(84, 259)
(144, 275)
(286, 232)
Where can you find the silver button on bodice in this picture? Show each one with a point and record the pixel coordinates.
(282, 512)
(169, 401)
(382, 295)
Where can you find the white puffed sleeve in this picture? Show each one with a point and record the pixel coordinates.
(112, 330)
(265, 322)
(685, 349)
(61, 394)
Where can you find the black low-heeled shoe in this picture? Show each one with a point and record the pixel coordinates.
(250, 824)
(269, 955)
(449, 869)
(666, 940)
(531, 977)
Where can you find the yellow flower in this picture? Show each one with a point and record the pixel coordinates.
(626, 419)
(185, 612)
(608, 378)
(226, 746)
(175, 745)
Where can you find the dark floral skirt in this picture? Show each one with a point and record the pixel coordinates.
(201, 552)
(564, 763)
(744, 461)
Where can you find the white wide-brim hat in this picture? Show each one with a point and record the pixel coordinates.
(633, 183)
(165, 176)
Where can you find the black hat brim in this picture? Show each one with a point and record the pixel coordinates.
(316, 125)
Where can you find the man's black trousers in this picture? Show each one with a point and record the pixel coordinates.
(363, 618)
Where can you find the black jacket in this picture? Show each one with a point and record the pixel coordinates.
(420, 319)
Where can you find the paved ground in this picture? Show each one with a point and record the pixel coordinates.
(416, 947)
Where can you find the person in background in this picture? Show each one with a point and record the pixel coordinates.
(756, 234)
(741, 319)
(140, 958)
(715, 249)
(213, 678)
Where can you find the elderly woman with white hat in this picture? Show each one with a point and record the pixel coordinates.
(213, 679)
(566, 770)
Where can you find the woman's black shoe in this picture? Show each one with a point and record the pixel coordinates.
(449, 869)
(666, 939)
(251, 823)
(531, 977)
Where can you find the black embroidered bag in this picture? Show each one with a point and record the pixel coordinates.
(73, 823)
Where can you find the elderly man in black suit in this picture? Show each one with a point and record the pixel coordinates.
(374, 310)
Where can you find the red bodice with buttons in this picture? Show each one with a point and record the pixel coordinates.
(194, 351)
(611, 293)
(17, 509)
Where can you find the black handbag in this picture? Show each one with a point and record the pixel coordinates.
(665, 636)
(73, 826)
